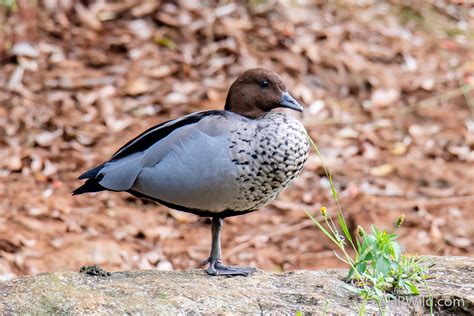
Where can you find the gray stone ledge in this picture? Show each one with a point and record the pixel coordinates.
(193, 292)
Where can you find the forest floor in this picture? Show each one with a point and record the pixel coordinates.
(388, 91)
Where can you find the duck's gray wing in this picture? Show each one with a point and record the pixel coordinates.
(147, 149)
(197, 172)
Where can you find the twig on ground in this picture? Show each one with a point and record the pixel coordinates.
(436, 201)
(359, 119)
(282, 231)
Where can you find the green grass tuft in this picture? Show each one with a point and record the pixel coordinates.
(378, 271)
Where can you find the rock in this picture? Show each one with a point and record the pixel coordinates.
(159, 292)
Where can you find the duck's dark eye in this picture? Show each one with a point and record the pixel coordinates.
(264, 84)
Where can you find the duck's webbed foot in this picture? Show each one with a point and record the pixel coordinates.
(217, 268)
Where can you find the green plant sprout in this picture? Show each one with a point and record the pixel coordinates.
(378, 271)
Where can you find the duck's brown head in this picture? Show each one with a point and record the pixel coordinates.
(258, 91)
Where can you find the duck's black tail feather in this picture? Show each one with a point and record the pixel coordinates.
(91, 185)
(91, 173)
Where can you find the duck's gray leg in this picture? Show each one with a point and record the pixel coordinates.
(215, 259)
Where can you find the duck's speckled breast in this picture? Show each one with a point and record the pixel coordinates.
(268, 156)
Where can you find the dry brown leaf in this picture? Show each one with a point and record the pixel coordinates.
(87, 17)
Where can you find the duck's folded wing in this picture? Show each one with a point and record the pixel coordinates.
(197, 172)
(147, 149)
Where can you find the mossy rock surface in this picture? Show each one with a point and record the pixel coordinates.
(158, 292)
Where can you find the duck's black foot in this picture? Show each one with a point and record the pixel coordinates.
(216, 268)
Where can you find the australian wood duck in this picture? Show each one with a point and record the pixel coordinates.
(214, 163)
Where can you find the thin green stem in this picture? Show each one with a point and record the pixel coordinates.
(341, 218)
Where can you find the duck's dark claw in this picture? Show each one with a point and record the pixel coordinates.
(207, 261)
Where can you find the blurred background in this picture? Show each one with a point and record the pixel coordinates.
(388, 91)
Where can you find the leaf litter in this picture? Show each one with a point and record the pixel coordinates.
(389, 93)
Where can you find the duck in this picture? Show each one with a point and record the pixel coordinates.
(214, 163)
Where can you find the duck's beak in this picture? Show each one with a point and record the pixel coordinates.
(287, 101)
